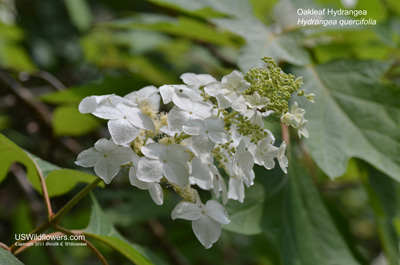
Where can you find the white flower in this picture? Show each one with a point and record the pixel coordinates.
(164, 160)
(173, 92)
(265, 153)
(287, 118)
(297, 112)
(301, 129)
(195, 82)
(206, 134)
(90, 104)
(124, 122)
(145, 96)
(242, 164)
(206, 175)
(206, 219)
(186, 110)
(282, 159)
(154, 188)
(255, 101)
(229, 91)
(236, 188)
(106, 157)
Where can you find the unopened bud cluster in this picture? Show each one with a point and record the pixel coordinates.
(209, 140)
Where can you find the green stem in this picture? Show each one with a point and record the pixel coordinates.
(181, 137)
(230, 115)
(54, 219)
(64, 210)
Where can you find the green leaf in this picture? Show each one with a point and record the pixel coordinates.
(101, 229)
(384, 198)
(108, 85)
(261, 42)
(58, 180)
(354, 115)
(6, 258)
(246, 217)
(181, 26)
(67, 120)
(79, 12)
(296, 220)
(230, 7)
(12, 54)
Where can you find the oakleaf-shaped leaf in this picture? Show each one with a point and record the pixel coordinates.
(261, 42)
(101, 229)
(58, 180)
(354, 115)
(296, 220)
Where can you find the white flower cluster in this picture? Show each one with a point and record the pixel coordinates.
(214, 129)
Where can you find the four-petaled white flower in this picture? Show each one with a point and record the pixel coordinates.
(229, 91)
(124, 122)
(145, 96)
(90, 104)
(255, 101)
(265, 153)
(186, 109)
(297, 112)
(195, 82)
(164, 160)
(106, 157)
(206, 133)
(301, 128)
(206, 219)
(242, 164)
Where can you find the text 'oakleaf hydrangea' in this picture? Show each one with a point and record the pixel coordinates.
(213, 135)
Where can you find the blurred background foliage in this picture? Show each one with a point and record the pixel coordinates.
(340, 203)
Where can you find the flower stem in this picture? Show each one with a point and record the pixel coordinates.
(64, 210)
(230, 115)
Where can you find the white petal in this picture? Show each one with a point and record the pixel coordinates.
(176, 173)
(137, 182)
(200, 170)
(167, 92)
(120, 156)
(108, 113)
(155, 150)
(206, 230)
(104, 146)
(149, 170)
(205, 79)
(156, 193)
(186, 210)
(89, 104)
(176, 153)
(236, 189)
(176, 119)
(195, 127)
(136, 117)
(190, 80)
(106, 171)
(233, 78)
(213, 89)
(88, 157)
(239, 105)
(122, 131)
(201, 144)
(217, 212)
(223, 103)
